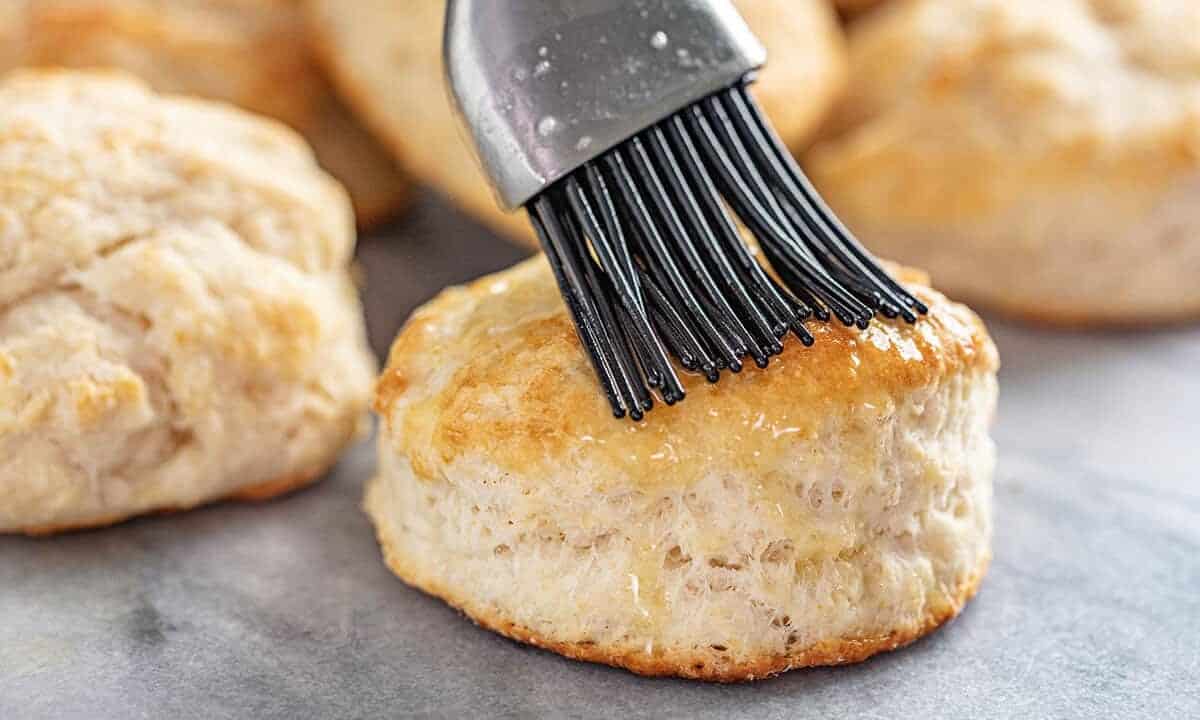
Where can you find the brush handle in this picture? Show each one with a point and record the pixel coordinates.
(544, 86)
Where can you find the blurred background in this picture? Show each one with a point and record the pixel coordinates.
(1040, 157)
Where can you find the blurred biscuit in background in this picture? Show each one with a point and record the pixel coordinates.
(1042, 159)
(253, 53)
(177, 318)
(386, 58)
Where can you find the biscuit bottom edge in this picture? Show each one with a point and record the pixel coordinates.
(259, 492)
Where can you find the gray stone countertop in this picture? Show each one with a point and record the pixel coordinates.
(1091, 608)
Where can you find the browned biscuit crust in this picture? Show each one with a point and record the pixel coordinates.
(950, 339)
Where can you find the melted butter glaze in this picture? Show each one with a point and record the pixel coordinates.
(496, 369)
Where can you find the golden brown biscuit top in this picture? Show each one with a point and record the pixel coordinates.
(494, 371)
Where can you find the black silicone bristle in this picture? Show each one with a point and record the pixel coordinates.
(652, 264)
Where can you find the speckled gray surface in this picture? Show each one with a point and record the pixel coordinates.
(1091, 609)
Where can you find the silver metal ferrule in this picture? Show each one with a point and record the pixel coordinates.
(544, 86)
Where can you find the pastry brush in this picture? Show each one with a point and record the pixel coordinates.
(626, 130)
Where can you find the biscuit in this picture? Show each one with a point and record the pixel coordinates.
(832, 506)
(177, 318)
(1041, 159)
(386, 57)
(253, 53)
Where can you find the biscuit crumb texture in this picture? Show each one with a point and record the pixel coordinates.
(831, 507)
(177, 319)
(1040, 158)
